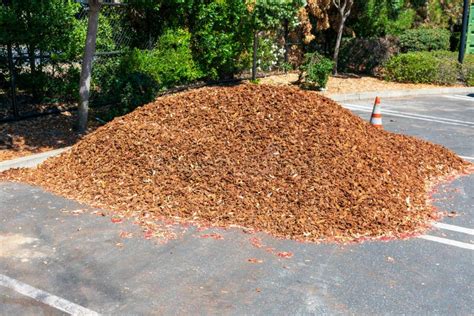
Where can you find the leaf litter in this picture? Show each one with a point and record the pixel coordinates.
(288, 162)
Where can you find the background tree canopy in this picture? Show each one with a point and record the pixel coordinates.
(159, 44)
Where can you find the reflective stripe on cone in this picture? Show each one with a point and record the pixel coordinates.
(376, 118)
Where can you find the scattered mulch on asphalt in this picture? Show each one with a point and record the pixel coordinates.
(276, 159)
(353, 84)
(32, 136)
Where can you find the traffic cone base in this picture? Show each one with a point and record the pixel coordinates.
(376, 117)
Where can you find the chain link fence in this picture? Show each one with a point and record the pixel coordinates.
(34, 83)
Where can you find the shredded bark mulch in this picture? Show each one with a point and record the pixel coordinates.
(22, 138)
(276, 159)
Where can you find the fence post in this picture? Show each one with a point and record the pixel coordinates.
(11, 67)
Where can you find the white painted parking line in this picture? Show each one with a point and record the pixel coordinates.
(44, 297)
(454, 228)
(467, 158)
(459, 97)
(407, 116)
(446, 241)
(414, 115)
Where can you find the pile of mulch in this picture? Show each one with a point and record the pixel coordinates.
(276, 159)
(40, 134)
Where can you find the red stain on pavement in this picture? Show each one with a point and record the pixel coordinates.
(213, 236)
(285, 254)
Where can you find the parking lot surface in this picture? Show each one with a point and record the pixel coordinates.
(57, 256)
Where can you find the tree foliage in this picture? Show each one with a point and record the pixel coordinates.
(319, 9)
(269, 14)
(219, 35)
(382, 17)
(39, 24)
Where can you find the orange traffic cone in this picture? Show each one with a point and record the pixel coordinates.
(376, 118)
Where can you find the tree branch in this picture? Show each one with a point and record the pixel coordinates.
(349, 5)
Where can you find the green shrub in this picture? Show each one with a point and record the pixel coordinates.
(221, 38)
(170, 63)
(449, 69)
(438, 67)
(425, 39)
(404, 21)
(382, 17)
(469, 76)
(138, 89)
(465, 70)
(107, 80)
(64, 85)
(468, 70)
(34, 84)
(412, 67)
(136, 78)
(361, 55)
(52, 86)
(315, 70)
(269, 54)
(116, 83)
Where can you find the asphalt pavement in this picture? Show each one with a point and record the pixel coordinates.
(59, 257)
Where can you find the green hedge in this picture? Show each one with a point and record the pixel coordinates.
(412, 67)
(170, 63)
(315, 70)
(53, 86)
(221, 38)
(136, 78)
(438, 67)
(425, 39)
(120, 86)
(468, 70)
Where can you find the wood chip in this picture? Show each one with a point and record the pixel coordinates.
(276, 159)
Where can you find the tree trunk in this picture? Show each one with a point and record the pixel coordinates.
(344, 9)
(338, 44)
(86, 70)
(254, 59)
(286, 34)
(11, 67)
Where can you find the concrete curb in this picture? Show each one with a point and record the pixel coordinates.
(31, 160)
(397, 93)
